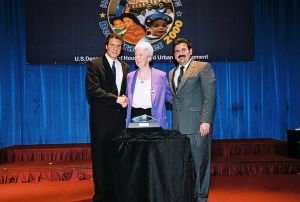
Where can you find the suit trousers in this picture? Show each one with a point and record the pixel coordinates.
(201, 152)
(105, 124)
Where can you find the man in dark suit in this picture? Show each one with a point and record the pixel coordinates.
(105, 86)
(193, 84)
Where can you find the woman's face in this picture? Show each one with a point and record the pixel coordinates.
(128, 22)
(141, 58)
(158, 28)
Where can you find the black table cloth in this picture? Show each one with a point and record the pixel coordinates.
(149, 166)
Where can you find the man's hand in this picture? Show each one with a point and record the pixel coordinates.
(204, 129)
(122, 100)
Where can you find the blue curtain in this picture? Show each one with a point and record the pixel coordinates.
(46, 104)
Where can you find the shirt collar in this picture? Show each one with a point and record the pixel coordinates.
(186, 65)
(110, 60)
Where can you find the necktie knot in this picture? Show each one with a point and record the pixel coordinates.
(181, 70)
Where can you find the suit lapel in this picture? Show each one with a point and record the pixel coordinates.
(186, 75)
(172, 80)
(109, 74)
(132, 84)
(154, 85)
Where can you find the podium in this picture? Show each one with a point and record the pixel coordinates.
(151, 166)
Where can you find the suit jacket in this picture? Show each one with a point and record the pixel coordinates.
(102, 93)
(160, 93)
(194, 101)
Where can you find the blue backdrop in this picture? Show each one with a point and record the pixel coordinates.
(45, 104)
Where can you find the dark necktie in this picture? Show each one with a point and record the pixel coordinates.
(113, 68)
(179, 77)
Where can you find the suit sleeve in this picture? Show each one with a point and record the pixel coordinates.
(95, 81)
(208, 88)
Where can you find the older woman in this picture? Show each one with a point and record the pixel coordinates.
(147, 88)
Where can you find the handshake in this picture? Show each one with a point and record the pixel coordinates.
(122, 100)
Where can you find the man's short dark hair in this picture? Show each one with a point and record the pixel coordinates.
(182, 40)
(114, 36)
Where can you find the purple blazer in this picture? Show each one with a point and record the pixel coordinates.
(160, 93)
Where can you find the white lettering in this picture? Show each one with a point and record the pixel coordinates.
(83, 59)
(104, 4)
(128, 48)
(104, 27)
(125, 57)
(200, 57)
(164, 57)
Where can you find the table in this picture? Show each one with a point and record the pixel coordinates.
(150, 166)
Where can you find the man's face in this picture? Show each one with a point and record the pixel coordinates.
(159, 28)
(113, 48)
(182, 53)
(149, 6)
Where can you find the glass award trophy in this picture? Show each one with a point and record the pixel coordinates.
(143, 121)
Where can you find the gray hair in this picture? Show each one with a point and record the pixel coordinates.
(145, 46)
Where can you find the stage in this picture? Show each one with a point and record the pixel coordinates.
(242, 170)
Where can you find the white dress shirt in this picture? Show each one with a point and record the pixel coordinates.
(142, 94)
(177, 72)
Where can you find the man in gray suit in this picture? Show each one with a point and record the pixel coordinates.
(193, 84)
